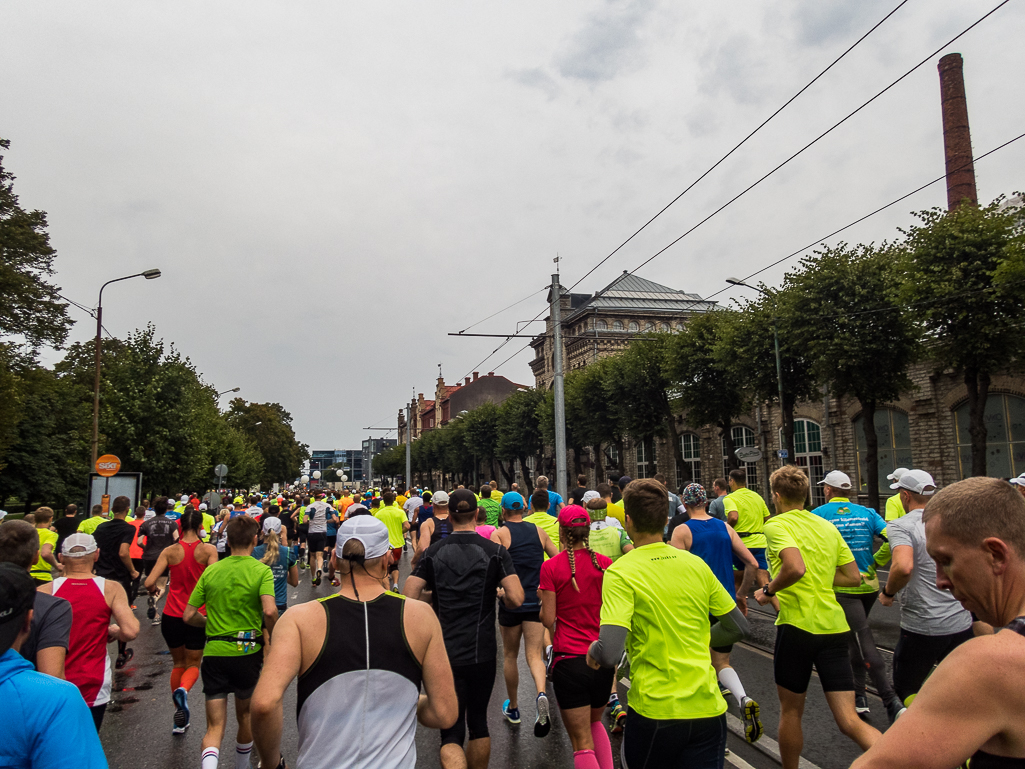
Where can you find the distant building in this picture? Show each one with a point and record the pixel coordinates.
(371, 448)
(451, 400)
(351, 459)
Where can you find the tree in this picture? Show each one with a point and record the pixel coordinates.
(519, 430)
(31, 310)
(860, 338)
(709, 388)
(270, 426)
(238, 452)
(391, 463)
(956, 276)
(593, 414)
(482, 437)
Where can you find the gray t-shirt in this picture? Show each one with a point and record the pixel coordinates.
(924, 608)
(717, 509)
(51, 626)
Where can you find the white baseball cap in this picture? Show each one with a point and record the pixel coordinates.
(3, 514)
(203, 507)
(588, 496)
(184, 498)
(81, 543)
(368, 530)
(837, 480)
(1019, 481)
(917, 482)
(440, 498)
(272, 524)
(896, 474)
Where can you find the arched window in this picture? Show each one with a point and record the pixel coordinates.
(601, 325)
(808, 451)
(664, 328)
(742, 436)
(634, 326)
(893, 433)
(617, 325)
(679, 327)
(688, 466)
(649, 327)
(1005, 436)
(647, 465)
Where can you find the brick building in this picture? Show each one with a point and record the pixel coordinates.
(451, 400)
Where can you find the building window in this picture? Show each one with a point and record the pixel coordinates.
(633, 326)
(808, 455)
(649, 327)
(893, 432)
(1005, 436)
(601, 325)
(617, 325)
(742, 436)
(611, 455)
(679, 327)
(647, 466)
(664, 328)
(688, 466)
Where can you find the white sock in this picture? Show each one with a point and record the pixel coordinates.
(210, 756)
(728, 677)
(242, 755)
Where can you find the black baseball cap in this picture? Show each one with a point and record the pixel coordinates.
(462, 501)
(17, 596)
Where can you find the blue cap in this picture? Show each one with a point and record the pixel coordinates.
(512, 501)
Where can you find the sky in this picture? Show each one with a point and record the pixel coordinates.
(331, 188)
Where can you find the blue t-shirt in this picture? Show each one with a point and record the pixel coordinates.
(858, 526)
(554, 498)
(712, 544)
(287, 559)
(171, 515)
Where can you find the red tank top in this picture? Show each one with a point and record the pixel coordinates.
(87, 665)
(184, 577)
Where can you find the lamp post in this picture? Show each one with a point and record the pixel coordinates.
(148, 275)
(775, 338)
(232, 390)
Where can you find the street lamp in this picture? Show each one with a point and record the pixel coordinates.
(775, 337)
(148, 275)
(232, 390)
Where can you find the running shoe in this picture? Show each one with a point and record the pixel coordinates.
(512, 715)
(861, 706)
(894, 709)
(752, 725)
(316, 578)
(613, 701)
(724, 691)
(618, 718)
(543, 722)
(124, 658)
(156, 620)
(181, 712)
(151, 612)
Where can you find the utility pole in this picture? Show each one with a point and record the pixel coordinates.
(560, 394)
(409, 446)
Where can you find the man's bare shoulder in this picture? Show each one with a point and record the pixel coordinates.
(993, 662)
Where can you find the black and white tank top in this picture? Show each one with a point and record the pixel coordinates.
(357, 702)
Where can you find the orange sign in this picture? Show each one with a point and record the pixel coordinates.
(108, 465)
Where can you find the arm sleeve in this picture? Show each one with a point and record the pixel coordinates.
(730, 629)
(56, 626)
(878, 524)
(267, 583)
(898, 535)
(779, 539)
(843, 551)
(70, 723)
(608, 649)
(617, 601)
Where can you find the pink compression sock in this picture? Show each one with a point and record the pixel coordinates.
(602, 748)
(584, 759)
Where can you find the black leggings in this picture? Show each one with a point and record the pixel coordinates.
(865, 656)
(697, 743)
(97, 712)
(915, 655)
(473, 690)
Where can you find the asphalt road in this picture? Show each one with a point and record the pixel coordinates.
(137, 728)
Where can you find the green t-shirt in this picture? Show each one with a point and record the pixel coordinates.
(609, 541)
(810, 603)
(751, 514)
(493, 507)
(42, 569)
(663, 596)
(231, 589)
(88, 526)
(547, 522)
(392, 517)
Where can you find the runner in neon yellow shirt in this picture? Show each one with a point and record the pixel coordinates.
(88, 526)
(661, 599)
(747, 512)
(539, 515)
(394, 518)
(809, 558)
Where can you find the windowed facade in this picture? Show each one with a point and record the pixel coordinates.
(634, 325)
(664, 328)
(617, 325)
(649, 327)
(893, 433)
(647, 465)
(1005, 436)
(601, 325)
(742, 436)
(808, 455)
(688, 466)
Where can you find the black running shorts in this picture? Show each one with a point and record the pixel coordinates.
(473, 691)
(508, 618)
(316, 541)
(231, 675)
(178, 633)
(578, 686)
(797, 650)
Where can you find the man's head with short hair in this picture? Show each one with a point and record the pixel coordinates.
(97, 510)
(582, 480)
(975, 532)
(242, 531)
(542, 482)
(71, 511)
(119, 507)
(19, 544)
(43, 516)
(738, 478)
(389, 498)
(644, 502)
(604, 490)
(661, 479)
(160, 506)
(721, 486)
(791, 485)
(539, 501)
(485, 491)
(493, 485)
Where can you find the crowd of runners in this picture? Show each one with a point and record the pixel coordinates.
(626, 574)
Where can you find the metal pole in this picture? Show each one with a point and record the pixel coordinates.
(779, 378)
(96, 382)
(560, 395)
(409, 447)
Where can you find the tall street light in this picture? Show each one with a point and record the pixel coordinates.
(232, 390)
(148, 275)
(775, 337)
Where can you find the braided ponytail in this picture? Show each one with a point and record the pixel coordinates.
(587, 546)
(572, 536)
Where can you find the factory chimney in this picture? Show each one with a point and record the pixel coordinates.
(957, 139)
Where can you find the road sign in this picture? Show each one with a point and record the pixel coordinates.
(748, 453)
(108, 465)
(221, 470)
(782, 453)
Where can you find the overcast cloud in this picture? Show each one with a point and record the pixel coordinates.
(329, 188)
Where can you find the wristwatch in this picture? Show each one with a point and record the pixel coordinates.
(766, 592)
(888, 595)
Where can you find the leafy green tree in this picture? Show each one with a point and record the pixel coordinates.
(958, 276)
(270, 426)
(31, 311)
(238, 452)
(482, 437)
(859, 336)
(708, 388)
(591, 410)
(546, 413)
(391, 463)
(519, 430)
